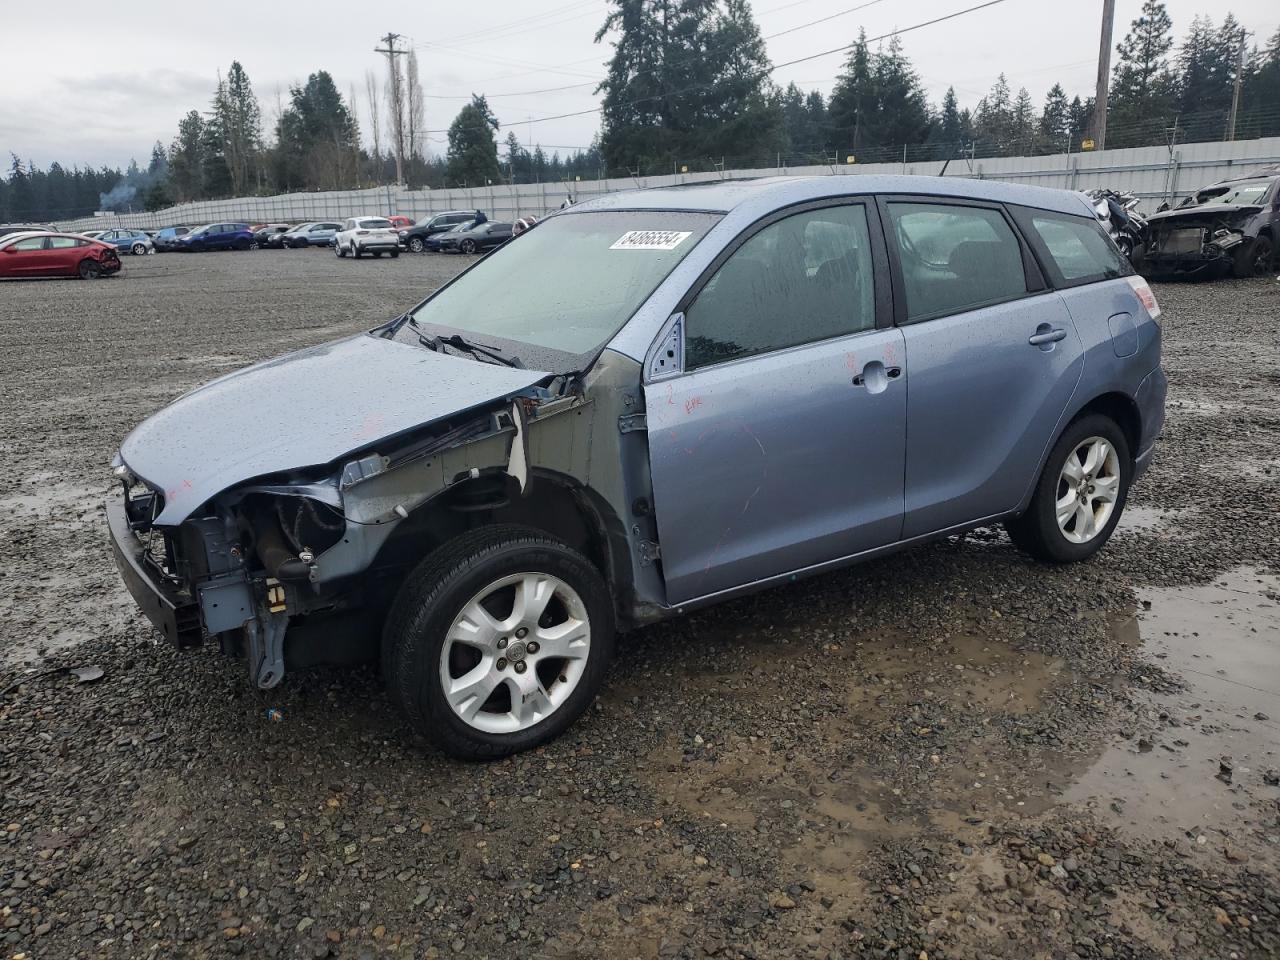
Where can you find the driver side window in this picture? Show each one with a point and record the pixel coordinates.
(807, 277)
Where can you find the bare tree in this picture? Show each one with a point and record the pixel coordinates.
(375, 117)
(355, 141)
(415, 113)
(395, 107)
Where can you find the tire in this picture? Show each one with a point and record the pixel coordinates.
(338, 251)
(1253, 259)
(254, 245)
(395, 254)
(416, 245)
(241, 245)
(356, 252)
(468, 246)
(1038, 531)
(420, 646)
(89, 269)
(138, 249)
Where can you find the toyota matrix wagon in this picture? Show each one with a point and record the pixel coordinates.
(648, 403)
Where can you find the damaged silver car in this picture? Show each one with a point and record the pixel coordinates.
(648, 403)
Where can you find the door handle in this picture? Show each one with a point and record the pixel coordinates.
(1044, 334)
(875, 376)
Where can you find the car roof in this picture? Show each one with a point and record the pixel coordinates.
(773, 192)
(45, 233)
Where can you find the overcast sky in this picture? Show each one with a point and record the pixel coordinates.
(88, 84)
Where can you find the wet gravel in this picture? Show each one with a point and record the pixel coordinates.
(914, 758)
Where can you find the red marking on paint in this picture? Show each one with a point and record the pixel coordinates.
(186, 484)
(890, 354)
(851, 361)
(372, 426)
(692, 404)
(670, 398)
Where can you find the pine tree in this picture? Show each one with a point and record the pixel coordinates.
(237, 120)
(473, 151)
(1206, 68)
(187, 158)
(1055, 118)
(1023, 120)
(852, 104)
(993, 120)
(1143, 89)
(1261, 93)
(739, 112)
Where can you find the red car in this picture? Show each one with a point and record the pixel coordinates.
(48, 254)
(401, 222)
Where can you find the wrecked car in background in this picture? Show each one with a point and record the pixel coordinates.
(1227, 227)
(655, 401)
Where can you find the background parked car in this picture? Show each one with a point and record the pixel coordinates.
(263, 232)
(483, 236)
(400, 222)
(361, 235)
(164, 239)
(136, 242)
(6, 229)
(314, 234)
(51, 254)
(415, 237)
(433, 243)
(216, 236)
(1226, 227)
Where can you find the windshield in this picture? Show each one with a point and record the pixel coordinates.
(569, 284)
(1244, 194)
(300, 227)
(373, 224)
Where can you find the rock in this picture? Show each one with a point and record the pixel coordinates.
(780, 901)
(304, 925)
(1235, 855)
(1045, 860)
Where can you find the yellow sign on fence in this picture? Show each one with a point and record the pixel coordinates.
(1086, 143)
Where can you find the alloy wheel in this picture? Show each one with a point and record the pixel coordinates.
(1088, 488)
(515, 652)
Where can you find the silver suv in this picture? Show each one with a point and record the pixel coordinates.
(646, 404)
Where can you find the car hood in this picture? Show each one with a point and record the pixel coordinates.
(302, 410)
(1205, 212)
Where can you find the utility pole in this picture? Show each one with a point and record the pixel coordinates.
(397, 110)
(1235, 93)
(1104, 76)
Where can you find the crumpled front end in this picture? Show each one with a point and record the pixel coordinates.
(278, 552)
(1189, 244)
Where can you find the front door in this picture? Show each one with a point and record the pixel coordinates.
(780, 444)
(995, 359)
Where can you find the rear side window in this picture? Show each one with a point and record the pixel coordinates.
(805, 278)
(1078, 251)
(955, 258)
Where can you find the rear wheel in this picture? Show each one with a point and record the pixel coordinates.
(416, 245)
(356, 251)
(498, 641)
(395, 254)
(1253, 259)
(89, 269)
(338, 251)
(468, 246)
(1080, 496)
(138, 249)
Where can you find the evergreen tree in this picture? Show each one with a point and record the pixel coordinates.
(901, 110)
(517, 160)
(851, 109)
(1143, 89)
(237, 120)
(804, 117)
(473, 152)
(1261, 93)
(1023, 120)
(1055, 118)
(316, 137)
(1206, 68)
(993, 121)
(738, 112)
(187, 158)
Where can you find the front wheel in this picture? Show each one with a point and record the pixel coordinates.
(139, 249)
(1080, 496)
(90, 270)
(1253, 259)
(498, 641)
(356, 252)
(468, 246)
(338, 251)
(416, 245)
(395, 254)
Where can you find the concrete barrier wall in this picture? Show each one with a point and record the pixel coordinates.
(1153, 173)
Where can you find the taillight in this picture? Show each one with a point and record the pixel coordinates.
(1143, 292)
(361, 233)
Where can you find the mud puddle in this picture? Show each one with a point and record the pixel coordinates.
(1156, 522)
(1203, 765)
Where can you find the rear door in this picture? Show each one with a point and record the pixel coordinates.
(778, 442)
(63, 255)
(994, 355)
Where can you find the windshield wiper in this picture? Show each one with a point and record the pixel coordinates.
(475, 349)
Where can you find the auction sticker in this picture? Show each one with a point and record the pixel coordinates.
(651, 239)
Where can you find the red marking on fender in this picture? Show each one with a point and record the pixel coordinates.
(692, 404)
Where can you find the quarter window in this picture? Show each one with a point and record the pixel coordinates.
(955, 258)
(63, 243)
(1079, 252)
(805, 278)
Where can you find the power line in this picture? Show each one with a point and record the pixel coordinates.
(778, 66)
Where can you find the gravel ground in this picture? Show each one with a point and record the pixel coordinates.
(952, 753)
